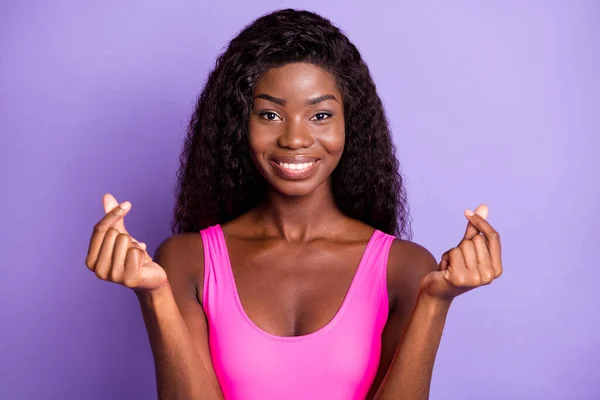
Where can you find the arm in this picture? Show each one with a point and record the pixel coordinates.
(409, 376)
(412, 334)
(476, 261)
(176, 324)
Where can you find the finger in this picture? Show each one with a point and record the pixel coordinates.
(133, 261)
(112, 217)
(461, 276)
(122, 244)
(100, 230)
(445, 261)
(105, 256)
(483, 259)
(137, 242)
(109, 202)
(493, 241)
(469, 256)
(472, 230)
(141, 245)
(456, 260)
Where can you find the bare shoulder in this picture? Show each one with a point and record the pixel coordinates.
(182, 257)
(411, 256)
(408, 263)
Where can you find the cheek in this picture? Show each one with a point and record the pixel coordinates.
(334, 141)
(256, 140)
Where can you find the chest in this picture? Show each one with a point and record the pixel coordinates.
(292, 320)
(289, 289)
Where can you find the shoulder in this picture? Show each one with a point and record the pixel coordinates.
(407, 255)
(408, 263)
(181, 248)
(182, 257)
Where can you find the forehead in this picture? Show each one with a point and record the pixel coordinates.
(297, 80)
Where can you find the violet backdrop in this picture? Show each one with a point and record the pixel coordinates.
(491, 102)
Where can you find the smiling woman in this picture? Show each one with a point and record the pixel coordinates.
(296, 130)
(289, 274)
(366, 183)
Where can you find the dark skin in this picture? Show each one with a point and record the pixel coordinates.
(296, 250)
(298, 228)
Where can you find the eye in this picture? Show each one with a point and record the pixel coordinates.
(321, 116)
(269, 116)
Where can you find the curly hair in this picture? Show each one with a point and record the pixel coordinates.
(217, 179)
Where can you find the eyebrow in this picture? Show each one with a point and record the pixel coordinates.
(309, 102)
(316, 100)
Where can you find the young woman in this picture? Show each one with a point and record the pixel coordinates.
(289, 275)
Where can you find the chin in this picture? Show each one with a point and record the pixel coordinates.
(295, 189)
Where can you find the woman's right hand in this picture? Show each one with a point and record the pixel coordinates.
(114, 256)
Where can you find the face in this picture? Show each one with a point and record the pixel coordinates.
(296, 129)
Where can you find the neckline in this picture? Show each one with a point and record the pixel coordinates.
(339, 313)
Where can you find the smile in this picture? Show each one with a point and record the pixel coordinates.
(296, 167)
(295, 170)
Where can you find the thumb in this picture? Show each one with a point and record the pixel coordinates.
(482, 210)
(109, 202)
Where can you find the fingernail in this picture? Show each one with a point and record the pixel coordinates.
(125, 205)
(469, 213)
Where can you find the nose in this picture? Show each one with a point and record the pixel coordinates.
(296, 135)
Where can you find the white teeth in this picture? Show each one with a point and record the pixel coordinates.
(296, 167)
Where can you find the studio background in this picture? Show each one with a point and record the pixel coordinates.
(489, 102)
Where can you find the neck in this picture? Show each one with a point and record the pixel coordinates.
(299, 218)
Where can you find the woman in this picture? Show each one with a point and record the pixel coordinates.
(296, 286)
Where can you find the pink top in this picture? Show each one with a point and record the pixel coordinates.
(339, 361)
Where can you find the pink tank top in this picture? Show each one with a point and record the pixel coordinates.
(338, 361)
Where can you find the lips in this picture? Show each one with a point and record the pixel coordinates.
(284, 171)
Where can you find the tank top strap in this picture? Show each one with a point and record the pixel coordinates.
(373, 281)
(216, 277)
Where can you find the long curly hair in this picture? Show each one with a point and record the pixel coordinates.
(217, 179)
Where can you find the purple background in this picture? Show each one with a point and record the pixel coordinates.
(494, 102)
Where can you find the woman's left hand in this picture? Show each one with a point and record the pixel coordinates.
(476, 261)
